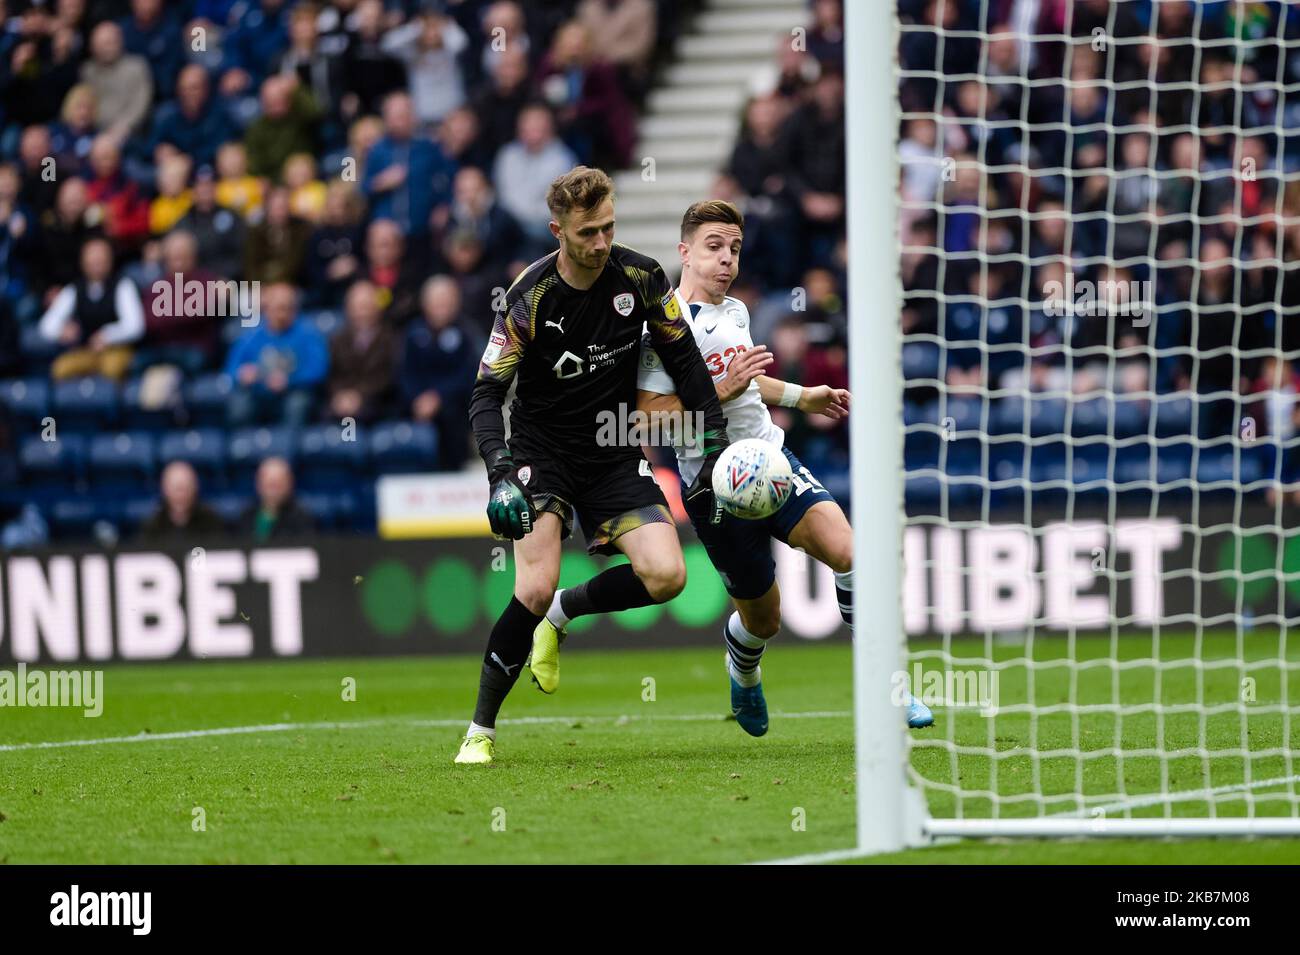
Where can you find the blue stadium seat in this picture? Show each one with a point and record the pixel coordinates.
(86, 404)
(1132, 414)
(1174, 467)
(28, 400)
(135, 511)
(123, 461)
(331, 457)
(1173, 414)
(1136, 463)
(921, 360)
(915, 414)
(322, 506)
(1047, 463)
(327, 321)
(206, 398)
(1090, 469)
(71, 517)
(230, 506)
(136, 417)
(920, 450)
(403, 447)
(965, 413)
(53, 466)
(1006, 474)
(248, 447)
(1046, 416)
(1090, 416)
(203, 448)
(922, 493)
(362, 507)
(1221, 466)
(232, 329)
(40, 353)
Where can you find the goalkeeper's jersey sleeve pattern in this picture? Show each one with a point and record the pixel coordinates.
(511, 331)
(673, 343)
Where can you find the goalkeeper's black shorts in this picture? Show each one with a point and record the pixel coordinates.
(609, 499)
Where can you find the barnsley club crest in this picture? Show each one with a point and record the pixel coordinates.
(624, 303)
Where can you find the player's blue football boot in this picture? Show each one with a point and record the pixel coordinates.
(748, 706)
(918, 714)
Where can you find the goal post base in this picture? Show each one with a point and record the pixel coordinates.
(1102, 827)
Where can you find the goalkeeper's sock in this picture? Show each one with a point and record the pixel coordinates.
(476, 730)
(618, 588)
(844, 595)
(508, 647)
(744, 651)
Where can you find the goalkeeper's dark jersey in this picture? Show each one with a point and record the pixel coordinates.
(575, 354)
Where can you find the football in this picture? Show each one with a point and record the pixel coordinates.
(752, 479)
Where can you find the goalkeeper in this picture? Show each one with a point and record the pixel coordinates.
(570, 336)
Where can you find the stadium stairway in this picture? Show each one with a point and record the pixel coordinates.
(693, 115)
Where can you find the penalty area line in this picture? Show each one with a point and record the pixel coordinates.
(616, 720)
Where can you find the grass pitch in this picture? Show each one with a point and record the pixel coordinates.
(632, 761)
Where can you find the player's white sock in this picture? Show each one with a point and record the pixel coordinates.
(844, 595)
(753, 678)
(475, 729)
(744, 650)
(556, 614)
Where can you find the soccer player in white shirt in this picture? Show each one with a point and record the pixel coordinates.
(740, 550)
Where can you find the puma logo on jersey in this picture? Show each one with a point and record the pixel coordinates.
(558, 325)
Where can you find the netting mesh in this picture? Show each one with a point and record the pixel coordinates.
(1100, 214)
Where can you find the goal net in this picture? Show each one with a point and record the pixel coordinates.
(1098, 214)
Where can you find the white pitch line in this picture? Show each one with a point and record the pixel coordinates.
(816, 858)
(363, 724)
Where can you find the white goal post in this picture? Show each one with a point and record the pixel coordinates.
(1133, 622)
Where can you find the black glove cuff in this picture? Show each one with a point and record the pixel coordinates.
(499, 464)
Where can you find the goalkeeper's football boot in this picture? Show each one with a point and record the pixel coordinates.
(476, 749)
(748, 706)
(544, 662)
(918, 714)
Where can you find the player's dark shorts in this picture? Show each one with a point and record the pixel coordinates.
(610, 499)
(741, 550)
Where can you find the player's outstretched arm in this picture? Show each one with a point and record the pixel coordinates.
(814, 399)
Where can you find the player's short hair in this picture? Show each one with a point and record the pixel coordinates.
(580, 188)
(710, 210)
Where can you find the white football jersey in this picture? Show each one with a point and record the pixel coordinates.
(721, 333)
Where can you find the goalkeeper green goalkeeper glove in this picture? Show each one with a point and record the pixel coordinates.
(510, 510)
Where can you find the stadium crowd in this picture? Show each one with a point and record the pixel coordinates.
(378, 169)
(1148, 151)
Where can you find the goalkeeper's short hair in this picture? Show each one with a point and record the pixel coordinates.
(582, 187)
